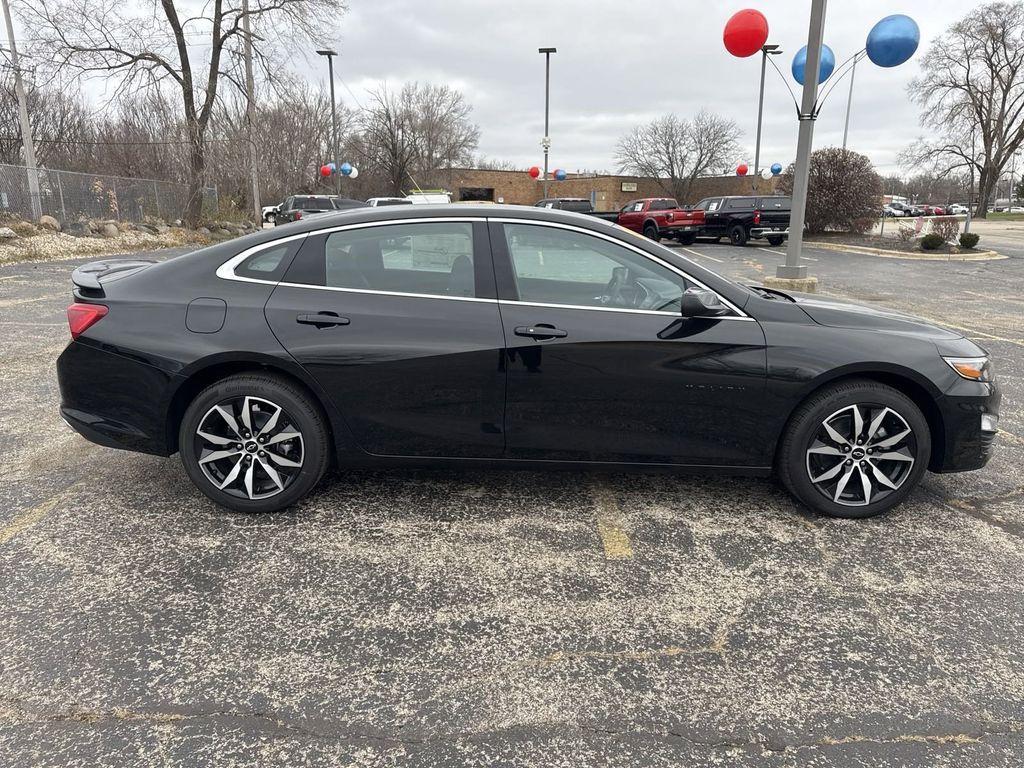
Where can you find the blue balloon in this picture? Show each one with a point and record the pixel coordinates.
(893, 40)
(346, 169)
(825, 66)
(776, 169)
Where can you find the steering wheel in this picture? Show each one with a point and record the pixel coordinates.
(613, 291)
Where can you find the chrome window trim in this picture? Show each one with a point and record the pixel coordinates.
(226, 271)
(615, 241)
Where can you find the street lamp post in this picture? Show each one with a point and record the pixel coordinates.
(330, 54)
(766, 51)
(546, 141)
(792, 269)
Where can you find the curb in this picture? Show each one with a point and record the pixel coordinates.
(918, 256)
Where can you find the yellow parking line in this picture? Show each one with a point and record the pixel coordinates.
(610, 525)
(30, 517)
(702, 255)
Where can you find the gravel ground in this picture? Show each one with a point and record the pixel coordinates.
(508, 618)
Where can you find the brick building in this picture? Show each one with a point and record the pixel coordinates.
(608, 193)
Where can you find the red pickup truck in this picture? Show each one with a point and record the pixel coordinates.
(658, 217)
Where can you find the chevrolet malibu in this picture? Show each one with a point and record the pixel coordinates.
(523, 337)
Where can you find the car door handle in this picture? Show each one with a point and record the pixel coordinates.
(322, 319)
(541, 331)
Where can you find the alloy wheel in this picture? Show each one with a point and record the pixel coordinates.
(249, 447)
(861, 454)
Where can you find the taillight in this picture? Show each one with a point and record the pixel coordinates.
(757, 217)
(81, 317)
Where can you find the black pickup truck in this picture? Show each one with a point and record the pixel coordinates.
(743, 218)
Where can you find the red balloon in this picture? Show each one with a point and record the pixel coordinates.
(745, 33)
(741, 169)
(325, 170)
(534, 172)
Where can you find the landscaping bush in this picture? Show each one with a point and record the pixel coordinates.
(843, 192)
(969, 240)
(946, 228)
(932, 242)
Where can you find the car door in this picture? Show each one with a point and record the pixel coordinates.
(398, 322)
(632, 215)
(603, 367)
(714, 217)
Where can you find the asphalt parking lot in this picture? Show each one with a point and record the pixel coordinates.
(509, 618)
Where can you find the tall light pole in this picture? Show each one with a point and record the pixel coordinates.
(766, 51)
(792, 269)
(330, 54)
(849, 98)
(26, 128)
(250, 114)
(546, 141)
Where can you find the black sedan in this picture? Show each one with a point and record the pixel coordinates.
(520, 336)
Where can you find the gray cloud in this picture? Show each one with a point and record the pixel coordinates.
(619, 64)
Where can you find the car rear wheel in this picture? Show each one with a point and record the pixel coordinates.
(651, 231)
(775, 242)
(253, 443)
(738, 236)
(854, 450)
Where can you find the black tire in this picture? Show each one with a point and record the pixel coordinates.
(800, 451)
(299, 413)
(687, 239)
(651, 231)
(738, 235)
(775, 242)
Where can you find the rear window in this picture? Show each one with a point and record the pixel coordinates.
(580, 206)
(774, 203)
(313, 203)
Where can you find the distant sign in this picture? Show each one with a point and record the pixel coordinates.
(628, 186)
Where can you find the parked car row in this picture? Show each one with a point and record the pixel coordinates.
(898, 210)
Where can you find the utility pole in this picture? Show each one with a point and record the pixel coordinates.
(766, 51)
(330, 54)
(250, 114)
(849, 99)
(26, 128)
(793, 269)
(546, 141)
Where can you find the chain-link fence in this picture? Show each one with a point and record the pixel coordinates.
(69, 195)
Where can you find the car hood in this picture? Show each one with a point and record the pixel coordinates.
(839, 313)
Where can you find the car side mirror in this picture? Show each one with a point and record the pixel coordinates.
(700, 302)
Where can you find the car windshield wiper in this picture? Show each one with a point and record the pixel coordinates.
(771, 293)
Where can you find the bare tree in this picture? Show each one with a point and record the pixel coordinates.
(972, 93)
(143, 47)
(677, 152)
(415, 132)
(844, 193)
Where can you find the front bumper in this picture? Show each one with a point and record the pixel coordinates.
(963, 444)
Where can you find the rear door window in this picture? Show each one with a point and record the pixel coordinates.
(431, 258)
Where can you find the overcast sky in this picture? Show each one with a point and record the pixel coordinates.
(623, 63)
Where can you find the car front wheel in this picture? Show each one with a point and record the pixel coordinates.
(253, 443)
(854, 449)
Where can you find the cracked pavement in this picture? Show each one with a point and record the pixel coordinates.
(491, 617)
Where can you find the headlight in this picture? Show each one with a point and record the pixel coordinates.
(973, 368)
